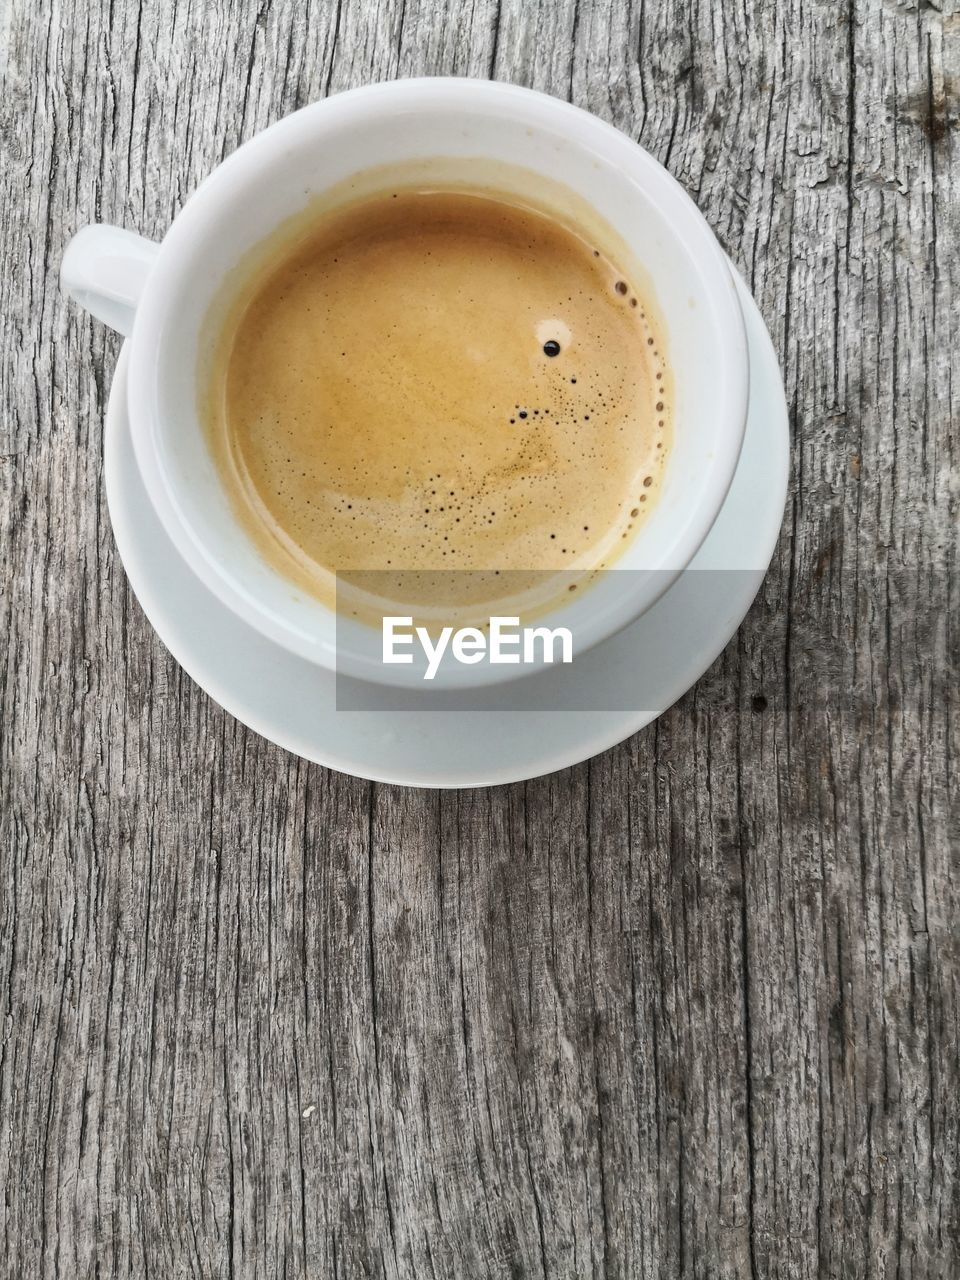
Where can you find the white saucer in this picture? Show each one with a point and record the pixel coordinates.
(635, 676)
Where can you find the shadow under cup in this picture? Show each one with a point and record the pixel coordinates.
(445, 132)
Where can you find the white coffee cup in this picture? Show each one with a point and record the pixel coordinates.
(160, 296)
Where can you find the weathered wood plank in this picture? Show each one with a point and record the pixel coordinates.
(690, 1009)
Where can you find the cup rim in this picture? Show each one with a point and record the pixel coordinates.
(159, 304)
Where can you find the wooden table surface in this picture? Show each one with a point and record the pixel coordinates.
(691, 1008)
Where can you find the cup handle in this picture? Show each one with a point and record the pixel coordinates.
(105, 269)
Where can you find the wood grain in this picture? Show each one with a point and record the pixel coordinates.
(689, 1009)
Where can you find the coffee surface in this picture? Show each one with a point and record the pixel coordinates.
(434, 380)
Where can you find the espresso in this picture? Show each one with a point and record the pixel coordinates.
(434, 380)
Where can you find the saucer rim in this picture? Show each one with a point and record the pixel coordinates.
(626, 722)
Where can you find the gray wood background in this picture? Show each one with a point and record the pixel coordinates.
(690, 1009)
